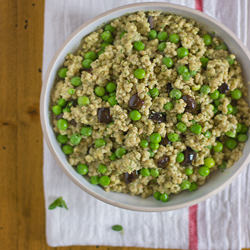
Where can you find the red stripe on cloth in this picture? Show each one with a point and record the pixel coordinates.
(192, 228)
(199, 5)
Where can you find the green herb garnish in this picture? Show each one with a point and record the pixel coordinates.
(59, 202)
(117, 228)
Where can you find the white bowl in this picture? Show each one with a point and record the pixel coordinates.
(184, 199)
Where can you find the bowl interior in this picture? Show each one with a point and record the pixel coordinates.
(218, 181)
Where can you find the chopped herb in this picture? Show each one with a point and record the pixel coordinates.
(59, 202)
(117, 228)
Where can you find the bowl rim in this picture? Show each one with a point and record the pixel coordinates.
(43, 107)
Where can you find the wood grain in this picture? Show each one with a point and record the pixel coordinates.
(22, 216)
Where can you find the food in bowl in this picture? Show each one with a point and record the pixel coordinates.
(150, 104)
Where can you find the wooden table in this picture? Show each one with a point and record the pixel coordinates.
(22, 215)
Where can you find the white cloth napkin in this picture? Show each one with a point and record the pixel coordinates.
(223, 221)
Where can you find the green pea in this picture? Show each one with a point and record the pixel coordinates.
(231, 143)
(185, 185)
(204, 171)
(196, 129)
(139, 73)
(193, 186)
(168, 62)
(75, 139)
(209, 162)
(173, 137)
(120, 152)
(112, 157)
(109, 27)
(221, 46)
(57, 109)
(242, 137)
(180, 157)
(157, 195)
(111, 87)
(208, 134)
(82, 169)
(218, 147)
(174, 38)
(102, 169)
(154, 92)
(188, 171)
(151, 153)
(99, 91)
(204, 61)
(181, 127)
(205, 89)
(71, 91)
(62, 124)
(100, 143)
(231, 134)
(238, 128)
(83, 101)
(223, 166)
(67, 149)
(162, 46)
(244, 128)
(62, 72)
(86, 63)
(229, 109)
(236, 94)
(145, 172)
(154, 172)
(61, 102)
(106, 36)
(168, 106)
(152, 34)
(122, 34)
(234, 111)
(230, 60)
(182, 52)
(162, 36)
(182, 69)
(90, 55)
(139, 45)
(155, 138)
(186, 76)
(94, 180)
(76, 81)
(62, 138)
(175, 94)
(112, 101)
(179, 117)
(154, 146)
(215, 95)
(117, 228)
(135, 115)
(207, 39)
(86, 131)
(144, 143)
(164, 197)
